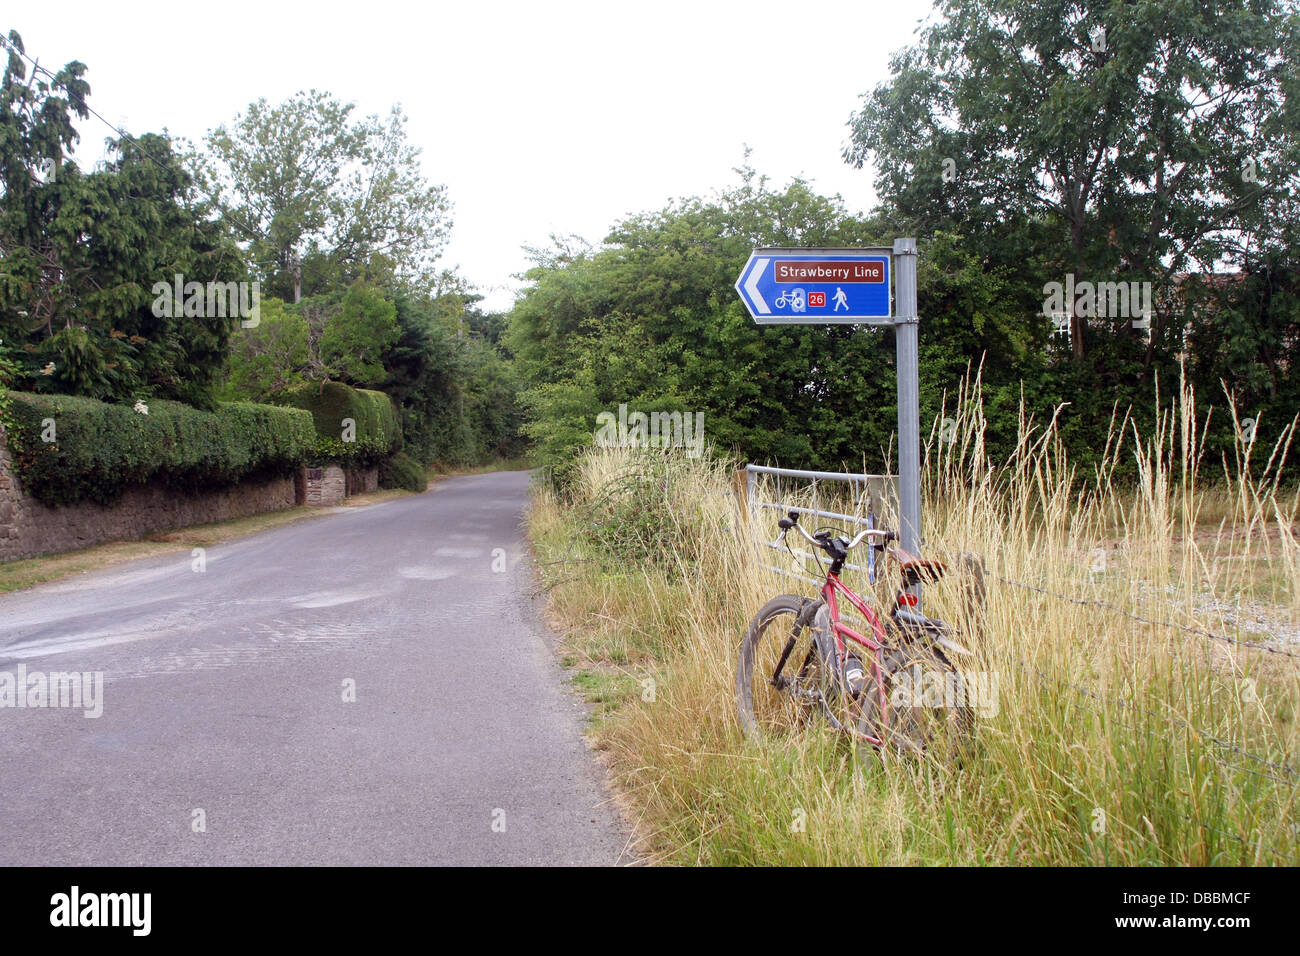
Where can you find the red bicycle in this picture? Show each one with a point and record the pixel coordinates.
(890, 684)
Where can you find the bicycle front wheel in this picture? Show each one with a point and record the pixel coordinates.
(781, 677)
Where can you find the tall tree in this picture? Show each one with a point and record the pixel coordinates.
(308, 186)
(37, 111)
(81, 254)
(1143, 138)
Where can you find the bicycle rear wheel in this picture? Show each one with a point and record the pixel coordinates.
(781, 677)
(928, 713)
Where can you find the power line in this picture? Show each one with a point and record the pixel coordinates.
(123, 134)
(256, 233)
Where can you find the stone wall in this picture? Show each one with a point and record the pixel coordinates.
(326, 486)
(329, 485)
(29, 528)
(361, 481)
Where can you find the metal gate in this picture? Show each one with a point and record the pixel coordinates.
(875, 497)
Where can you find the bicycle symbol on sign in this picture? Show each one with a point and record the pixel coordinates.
(795, 298)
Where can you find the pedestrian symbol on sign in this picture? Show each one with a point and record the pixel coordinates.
(841, 300)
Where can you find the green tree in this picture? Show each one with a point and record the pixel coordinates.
(81, 254)
(455, 388)
(1142, 141)
(1126, 140)
(36, 134)
(270, 357)
(355, 340)
(317, 193)
(651, 319)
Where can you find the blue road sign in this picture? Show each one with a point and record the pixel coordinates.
(818, 286)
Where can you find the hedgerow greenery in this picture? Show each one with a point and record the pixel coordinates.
(636, 514)
(373, 435)
(69, 448)
(651, 319)
(402, 471)
(9, 370)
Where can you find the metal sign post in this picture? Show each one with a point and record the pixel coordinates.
(851, 286)
(907, 347)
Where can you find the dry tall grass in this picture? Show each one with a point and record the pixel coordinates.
(1115, 741)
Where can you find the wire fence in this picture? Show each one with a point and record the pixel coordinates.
(1187, 628)
(1289, 770)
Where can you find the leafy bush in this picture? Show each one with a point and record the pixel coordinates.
(9, 370)
(68, 448)
(269, 357)
(402, 471)
(633, 508)
(356, 339)
(373, 434)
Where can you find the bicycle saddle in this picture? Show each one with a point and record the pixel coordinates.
(909, 563)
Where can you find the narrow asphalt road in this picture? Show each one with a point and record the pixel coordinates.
(371, 686)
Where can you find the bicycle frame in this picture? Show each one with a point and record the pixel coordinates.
(874, 644)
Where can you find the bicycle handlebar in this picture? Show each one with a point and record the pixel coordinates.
(793, 522)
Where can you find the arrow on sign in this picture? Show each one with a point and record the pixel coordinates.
(751, 286)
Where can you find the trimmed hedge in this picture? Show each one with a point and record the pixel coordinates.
(100, 449)
(402, 471)
(374, 435)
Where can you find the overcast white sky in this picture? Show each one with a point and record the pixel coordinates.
(551, 116)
